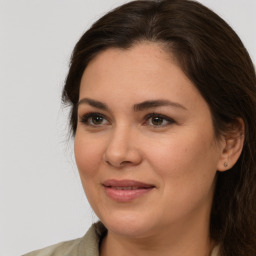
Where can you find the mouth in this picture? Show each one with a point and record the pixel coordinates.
(126, 190)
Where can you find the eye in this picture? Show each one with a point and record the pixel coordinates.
(158, 120)
(94, 119)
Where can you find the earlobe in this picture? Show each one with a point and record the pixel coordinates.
(233, 146)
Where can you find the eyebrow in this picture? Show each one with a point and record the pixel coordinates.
(93, 103)
(156, 103)
(137, 107)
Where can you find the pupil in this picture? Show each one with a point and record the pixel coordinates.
(157, 120)
(97, 119)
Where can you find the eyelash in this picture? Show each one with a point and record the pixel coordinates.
(87, 119)
(168, 120)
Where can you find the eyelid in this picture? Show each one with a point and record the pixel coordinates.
(164, 117)
(85, 117)
(85, 120)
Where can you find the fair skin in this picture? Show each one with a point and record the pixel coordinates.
(151, 125)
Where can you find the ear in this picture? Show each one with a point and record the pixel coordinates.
(232, 145)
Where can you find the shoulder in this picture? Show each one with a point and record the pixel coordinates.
(216, 251)
(88, 245)
(63, 249)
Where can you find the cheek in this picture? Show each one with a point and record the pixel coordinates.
(187, 169)
(191, 157)
(88, 156)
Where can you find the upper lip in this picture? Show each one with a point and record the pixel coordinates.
(126, 183)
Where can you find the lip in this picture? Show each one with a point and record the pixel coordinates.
(126, 190)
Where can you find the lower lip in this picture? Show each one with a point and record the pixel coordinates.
(126, 195)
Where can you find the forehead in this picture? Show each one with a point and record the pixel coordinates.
(144, 68)
(142, 63)
(143, 72)
(139, 53)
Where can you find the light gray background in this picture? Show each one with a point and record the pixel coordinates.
(41, 199)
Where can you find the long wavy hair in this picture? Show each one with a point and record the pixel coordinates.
(213, 57)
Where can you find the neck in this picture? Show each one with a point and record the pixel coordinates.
(185, 240)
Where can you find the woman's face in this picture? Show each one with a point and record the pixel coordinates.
(145, 145)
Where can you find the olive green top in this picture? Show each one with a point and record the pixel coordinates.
(88, 245)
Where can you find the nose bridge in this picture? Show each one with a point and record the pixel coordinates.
(121, 148)
(120, 137)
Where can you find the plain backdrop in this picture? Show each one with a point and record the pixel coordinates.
(41, 198)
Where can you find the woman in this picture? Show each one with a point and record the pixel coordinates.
(163, 100)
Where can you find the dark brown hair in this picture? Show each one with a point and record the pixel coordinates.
(215, 60)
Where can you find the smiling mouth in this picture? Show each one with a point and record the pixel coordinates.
(126, 190)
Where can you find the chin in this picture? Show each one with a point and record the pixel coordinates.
(128, 228)
(131, 225)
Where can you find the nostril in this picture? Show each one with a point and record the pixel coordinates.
(108, 162)
(119, 164)
(125, 162)
(121, 158)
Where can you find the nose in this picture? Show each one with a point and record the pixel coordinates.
(122, 149)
